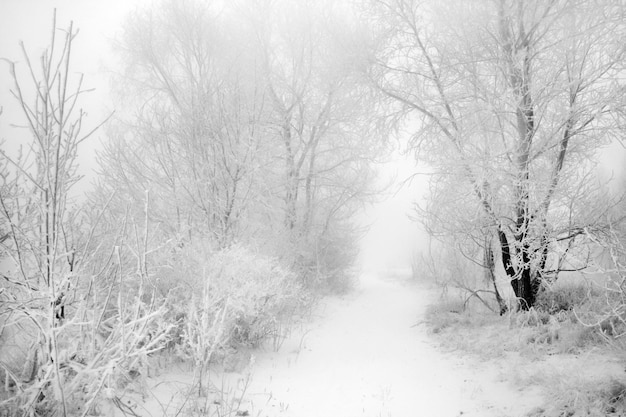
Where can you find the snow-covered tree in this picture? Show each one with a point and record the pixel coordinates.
(513, 99)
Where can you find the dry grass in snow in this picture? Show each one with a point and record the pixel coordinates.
(578, 369)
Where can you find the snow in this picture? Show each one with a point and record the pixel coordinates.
(365, 354)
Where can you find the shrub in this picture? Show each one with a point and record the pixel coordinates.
(258, 290)
(227, 300)
(102, 341)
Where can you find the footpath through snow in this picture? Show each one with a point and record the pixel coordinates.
(365, 354)
(368, 356)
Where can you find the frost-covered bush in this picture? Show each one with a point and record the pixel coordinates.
(225, 299)
(258, 291)
(71, 361)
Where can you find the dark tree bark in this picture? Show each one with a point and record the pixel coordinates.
(524, 284)
(490, 267)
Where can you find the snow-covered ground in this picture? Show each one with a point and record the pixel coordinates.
(364, 354)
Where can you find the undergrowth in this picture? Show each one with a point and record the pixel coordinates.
(556, 330)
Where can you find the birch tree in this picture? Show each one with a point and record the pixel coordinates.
(515, 98)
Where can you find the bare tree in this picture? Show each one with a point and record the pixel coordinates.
(515, 98)
(193, 130)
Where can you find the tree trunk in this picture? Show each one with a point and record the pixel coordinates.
(524, 284)
(291, 194)
(491, 275)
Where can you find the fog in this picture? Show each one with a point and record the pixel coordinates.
(391, 238)
(394, 236)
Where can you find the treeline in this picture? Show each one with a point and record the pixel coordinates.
(244, 124)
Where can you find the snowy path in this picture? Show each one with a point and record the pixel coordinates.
(365, 357)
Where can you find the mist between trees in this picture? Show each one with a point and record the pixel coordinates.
(243, 145)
